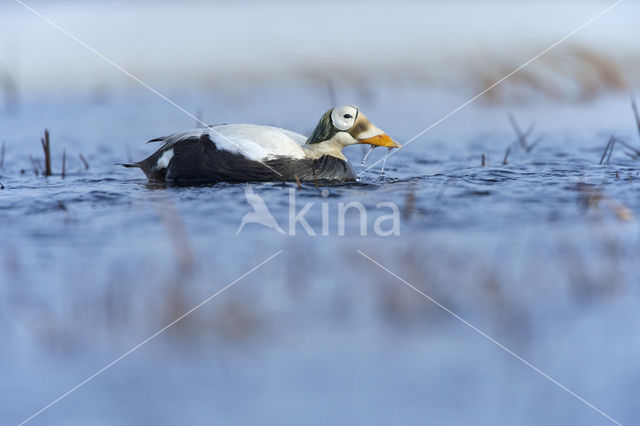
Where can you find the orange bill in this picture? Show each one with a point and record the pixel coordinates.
(381, 140)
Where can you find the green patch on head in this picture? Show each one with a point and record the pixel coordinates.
(324, 129)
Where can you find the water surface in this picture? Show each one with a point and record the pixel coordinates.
(540, 253)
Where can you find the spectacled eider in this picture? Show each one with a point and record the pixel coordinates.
(247, 152)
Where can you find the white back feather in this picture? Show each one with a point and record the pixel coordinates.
(258, 142)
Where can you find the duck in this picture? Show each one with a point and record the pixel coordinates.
(237, 153)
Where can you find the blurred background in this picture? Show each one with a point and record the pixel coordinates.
(532, 239)
(235, 45)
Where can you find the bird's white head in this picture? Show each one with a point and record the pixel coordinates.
(344, 126)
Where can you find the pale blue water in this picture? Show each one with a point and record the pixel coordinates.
(95, 263)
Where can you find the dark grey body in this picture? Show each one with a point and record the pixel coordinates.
(197, 161)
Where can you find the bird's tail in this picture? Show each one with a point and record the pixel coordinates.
(130, 165)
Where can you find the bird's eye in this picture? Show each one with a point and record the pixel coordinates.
(347, 116)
